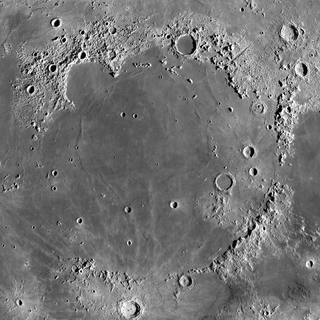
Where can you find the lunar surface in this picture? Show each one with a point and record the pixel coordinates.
(159, 160)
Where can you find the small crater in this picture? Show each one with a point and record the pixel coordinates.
(186, 44)
(289, 33)
(258, 108)
(248, 152)
(54, 173)
(82, 55)
(130, 309)
(19, 302)
(55, 23)
(253, 172)
(112, 30)
(134, 116)
(200, 244)
(129, 243)
(269, 127)
(122, 114)
(185, 281)
(174, 204)
(54, 188)
(52, 68)
(79, 220)
(289, 109)
(127, 209)
(31, 89)
(224, 181)
(301, 69)
(309, 264)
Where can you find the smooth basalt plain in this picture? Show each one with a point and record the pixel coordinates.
(159, 160)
